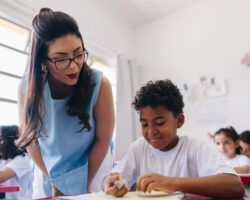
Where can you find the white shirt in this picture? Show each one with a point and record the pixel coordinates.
(189, 158)
(238, 160)
(21, 166)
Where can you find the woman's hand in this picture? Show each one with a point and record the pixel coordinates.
(56, 192)
(112, 186)
(154, 181)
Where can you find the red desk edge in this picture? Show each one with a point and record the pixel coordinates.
(9, 188)
(245, 179)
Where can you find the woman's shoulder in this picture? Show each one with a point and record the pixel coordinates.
(96, 75)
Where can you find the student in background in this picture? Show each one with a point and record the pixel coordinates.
(163, 161)
(227, 140)
(15, 168)
(245, 143)
(66, 109)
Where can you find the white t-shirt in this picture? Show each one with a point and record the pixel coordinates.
(189, 158)
(238, 160)
(21, 166)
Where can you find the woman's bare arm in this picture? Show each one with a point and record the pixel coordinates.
(104, 115)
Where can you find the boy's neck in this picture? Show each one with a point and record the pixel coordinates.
(171, 145)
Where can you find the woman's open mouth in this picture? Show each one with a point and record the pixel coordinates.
(72, 76)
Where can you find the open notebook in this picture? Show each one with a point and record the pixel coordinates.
(129, 195)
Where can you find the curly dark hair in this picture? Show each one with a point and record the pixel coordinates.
(8, 135)
(159, 93)
(245, 136)
(231, 133)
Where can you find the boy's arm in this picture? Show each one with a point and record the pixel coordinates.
(6, 173)
(219, 186)
(242, 169)
(122, 176)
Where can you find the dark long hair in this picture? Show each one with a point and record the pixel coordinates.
(245, 136)
(8, 136)
(47, 27)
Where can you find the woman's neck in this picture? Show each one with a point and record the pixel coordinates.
(58, 89)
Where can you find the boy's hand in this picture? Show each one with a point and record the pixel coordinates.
(115, 185)
(154, 181)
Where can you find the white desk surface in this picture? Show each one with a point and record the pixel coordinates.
(129, 195)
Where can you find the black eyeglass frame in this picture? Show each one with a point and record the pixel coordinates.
(85, 52)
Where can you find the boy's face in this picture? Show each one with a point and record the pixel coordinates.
(245, 148)
(159, 127)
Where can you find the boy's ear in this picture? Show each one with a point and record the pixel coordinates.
(180, 120)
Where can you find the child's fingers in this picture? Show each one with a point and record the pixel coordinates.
(140, 180)
(109, 180)
(114, 191)
(111, 190)
(152, 186)
(143, 183)
(114, 176)
(121, 192)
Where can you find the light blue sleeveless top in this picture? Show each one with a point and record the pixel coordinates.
(65, 150)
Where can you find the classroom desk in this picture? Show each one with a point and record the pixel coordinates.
(7, 188)
(188, 197)
(245, 179)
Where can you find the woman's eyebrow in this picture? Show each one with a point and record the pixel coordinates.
(78, 48)
(65, 53)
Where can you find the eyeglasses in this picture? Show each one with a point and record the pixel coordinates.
(63, 64)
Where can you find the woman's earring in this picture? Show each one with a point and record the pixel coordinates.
(44, 69)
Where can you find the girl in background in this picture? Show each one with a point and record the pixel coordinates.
(227, 140)
(15, 168)
(245, 143)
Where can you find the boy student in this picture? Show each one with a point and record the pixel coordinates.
(164, 161)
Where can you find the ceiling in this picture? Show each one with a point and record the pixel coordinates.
(140, 12)
(133, 12)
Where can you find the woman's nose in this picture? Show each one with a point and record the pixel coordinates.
(73, 64)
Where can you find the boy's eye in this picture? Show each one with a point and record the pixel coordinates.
(144, 125)
(160, 123)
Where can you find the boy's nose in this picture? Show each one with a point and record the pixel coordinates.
(152, 131)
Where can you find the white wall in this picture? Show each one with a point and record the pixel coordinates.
(208, 38)
(103, 31)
